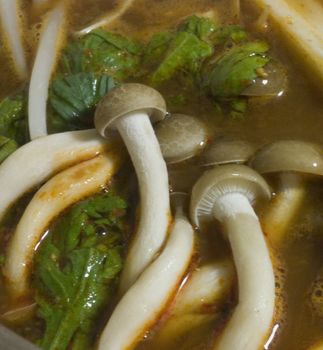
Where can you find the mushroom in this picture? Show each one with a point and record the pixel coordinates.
(129, 109)
(227, 150)
(271, 81)
(291, 160)
(43, 157)
(142, 304)
(47, 53)
(181, 137)
(227, 193)
(61, 191)
(11, 18)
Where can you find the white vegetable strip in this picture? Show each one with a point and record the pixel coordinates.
(301, 22)
(12, 31)
(57, 194)
(252, 318)
(142, 304)
(138, 134)
(49, 46)
(34, 162)
(207, 286)
(108, 18)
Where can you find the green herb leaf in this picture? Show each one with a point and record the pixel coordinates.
(202, 27)
(74, 97)
(7, 146)
(236, 69)
(76, 271)
(13, 119)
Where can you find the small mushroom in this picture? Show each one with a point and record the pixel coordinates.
(129, 109)
(226, 151)
(147, 297)
(227, 193)
(181, 137)
(271, 82)
(291, 160)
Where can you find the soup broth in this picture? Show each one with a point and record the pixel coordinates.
(296, 115)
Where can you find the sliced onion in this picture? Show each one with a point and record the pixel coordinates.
(34, 162)
(49, 46)
(10, 17)
(57, 194)
(107, 19)
(142, 304)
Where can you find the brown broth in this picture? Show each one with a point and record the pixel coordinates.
(298, 114)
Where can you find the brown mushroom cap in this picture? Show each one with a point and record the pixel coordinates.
(222, 180)
(225, 151)
(292, 156)
(125, 99)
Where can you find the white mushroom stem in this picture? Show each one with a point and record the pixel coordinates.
(51, 41)
(107, 19)
(143, 303)
(57, 194)
(284, 207)
(251, 321)
(34, 162)
(11, 22)
(207, 286)
(138, 135)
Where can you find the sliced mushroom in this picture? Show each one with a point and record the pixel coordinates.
(57, 194)
(226, 150)
(181, 137)
(49, 46)
(226, 193)
(10, 15)
(43, 157)
(128, 109)
(291, 160)
(142, 304)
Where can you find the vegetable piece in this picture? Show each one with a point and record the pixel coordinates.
(7, 147)
(140, 307)
(102, 52)
(50, 200)
(202, 27)
(108, 18)
(13, 118)
(130, 109)
(42, 158)
(185, 54)
(11, 22)
(73, 98)
(236, 69)
(45, 61)
(76, 271)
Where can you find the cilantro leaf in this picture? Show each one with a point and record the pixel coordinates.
(236, 69)
(76, 271)
(7, 146)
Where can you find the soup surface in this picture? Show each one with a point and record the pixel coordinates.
(295, 114)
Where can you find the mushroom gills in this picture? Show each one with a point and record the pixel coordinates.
(226, 193)
(57, 194)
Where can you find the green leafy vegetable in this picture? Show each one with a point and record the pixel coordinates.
(185, 54)
(73, 97)
(102, 52)
(237, 68)
(7, 146)
(13, 119)
(202, 27)
(229, 33)
(76, 270)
